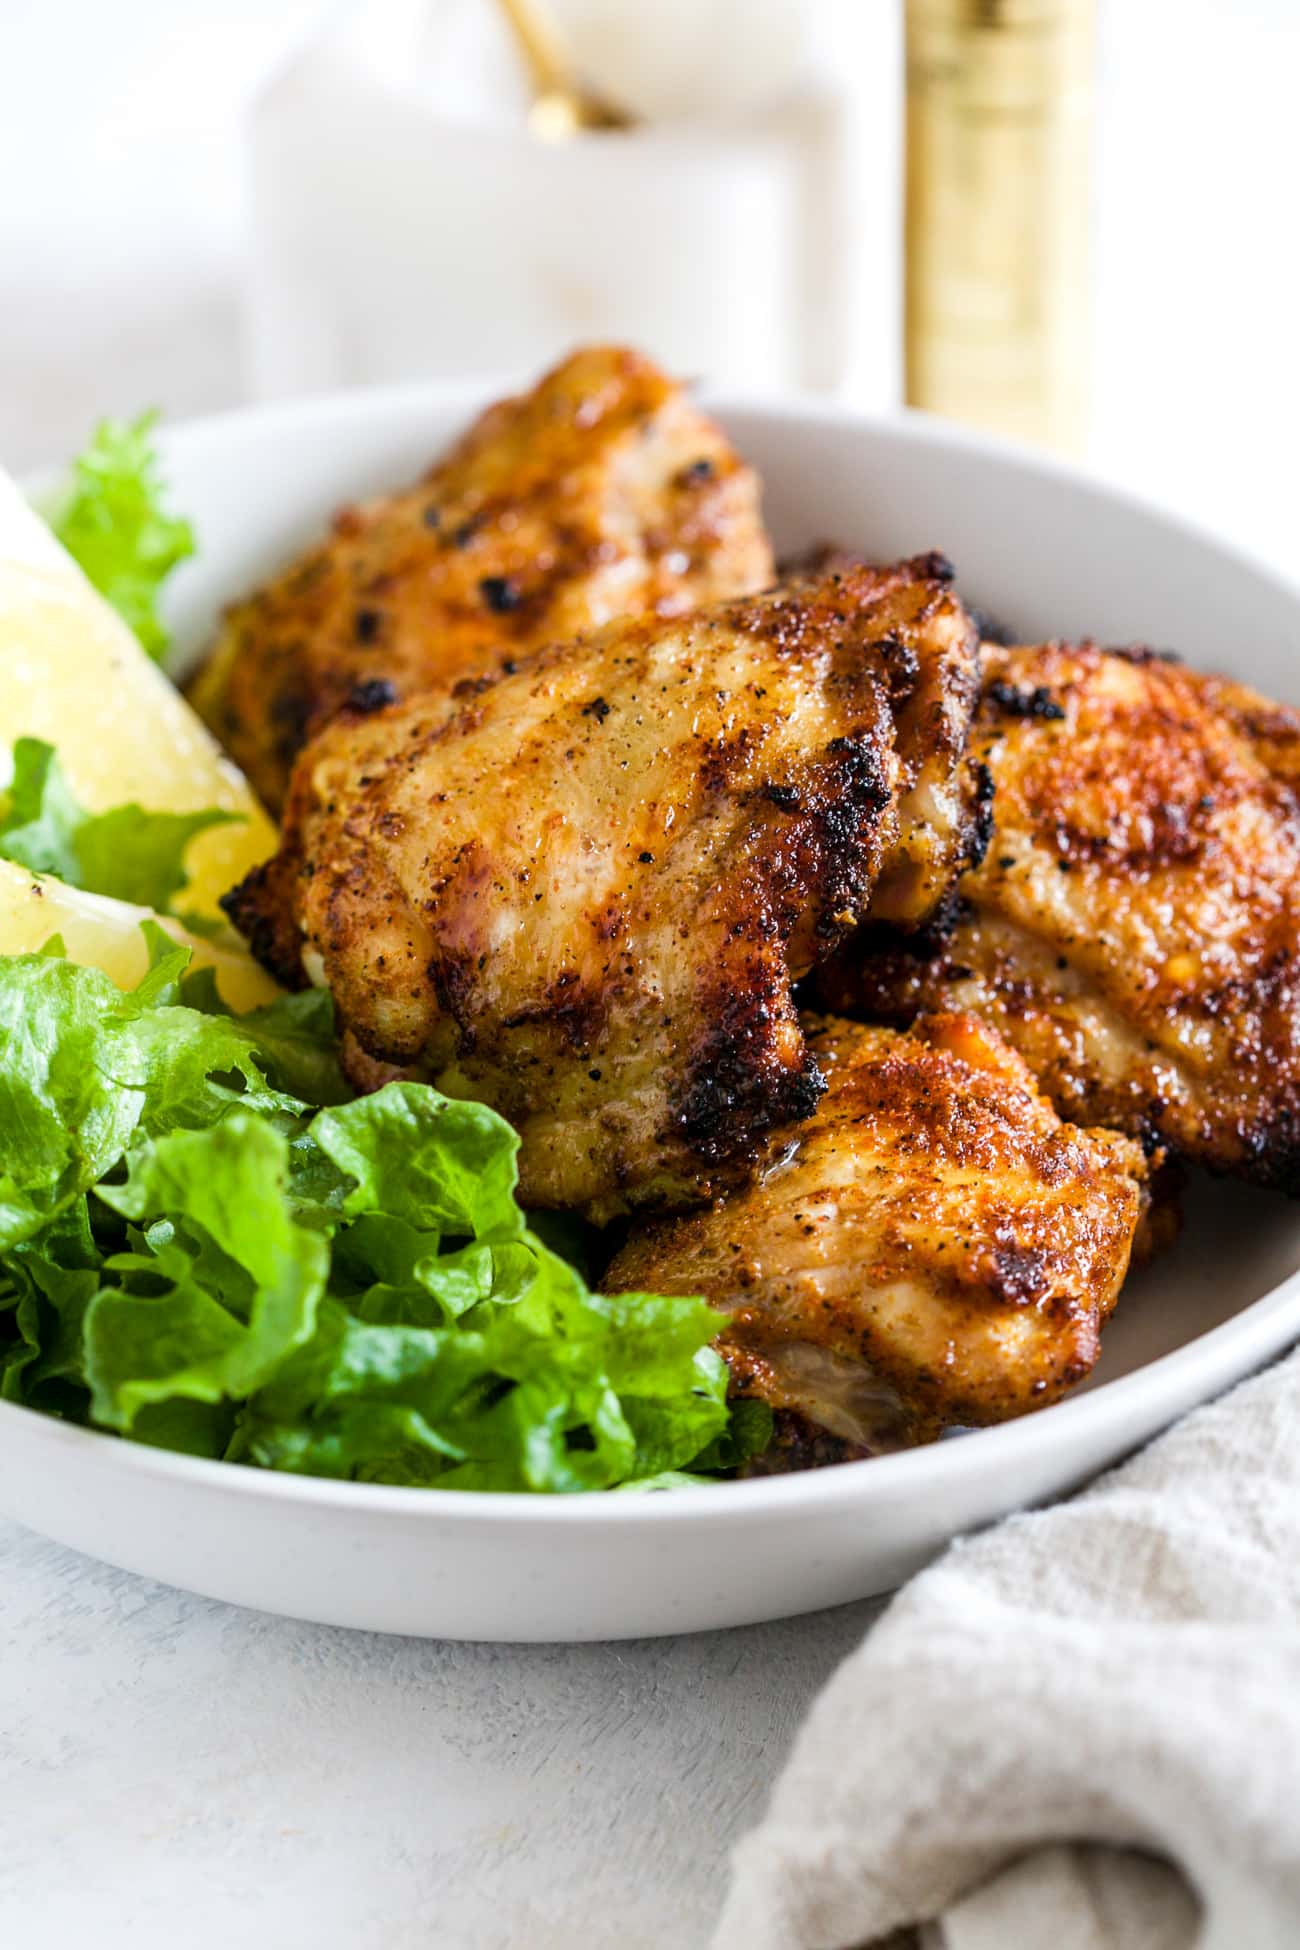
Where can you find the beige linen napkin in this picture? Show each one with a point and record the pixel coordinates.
(1079, 1729)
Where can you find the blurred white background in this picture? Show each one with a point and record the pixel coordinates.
(122, 222)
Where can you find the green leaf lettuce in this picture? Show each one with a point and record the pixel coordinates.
(195, 1252)
(113, 521)
(127, 853)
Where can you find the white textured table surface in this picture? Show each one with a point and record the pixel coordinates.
(174, 1771)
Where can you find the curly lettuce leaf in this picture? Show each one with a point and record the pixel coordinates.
(228, 1285)
(193, 1255)
(127, 853)
(48, 1284)
(458, 1349)
(87, 1065)
(113, 521)
(539, 1395)
(425, 1158)
(296, 1042)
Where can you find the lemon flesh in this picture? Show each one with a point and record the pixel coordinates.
(72, 673)
(105, 934)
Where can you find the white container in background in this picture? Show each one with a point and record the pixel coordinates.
(405, 223)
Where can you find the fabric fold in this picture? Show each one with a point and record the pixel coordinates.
(1081, 1727)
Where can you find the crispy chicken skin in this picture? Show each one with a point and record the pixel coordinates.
(1135, 927)
(933, 1247)
(931, 663)
(602, 493)
(580, 891)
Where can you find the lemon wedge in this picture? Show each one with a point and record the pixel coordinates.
(72, 673)
(105, 934)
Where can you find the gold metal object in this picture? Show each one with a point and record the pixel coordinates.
(562, 107)
(999, 141)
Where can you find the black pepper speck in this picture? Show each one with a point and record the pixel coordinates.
(500, 594)
(372, 695)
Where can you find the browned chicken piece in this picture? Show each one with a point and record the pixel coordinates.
(581, 891)
(934, 1247)
(602, 493)
(1135, 927)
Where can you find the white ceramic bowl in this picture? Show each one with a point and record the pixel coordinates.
(1035, 544)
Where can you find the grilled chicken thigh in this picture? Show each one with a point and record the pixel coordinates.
(933, 1247)
(602, 493)
(581, 891)
(1135, 927)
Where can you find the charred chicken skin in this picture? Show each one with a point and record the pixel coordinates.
(602, 493)
(1134, 930)
(934, 1246)
(581, 891)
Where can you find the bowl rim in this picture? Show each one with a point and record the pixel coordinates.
(1250, 1336)
(812, 1491)
(357, 404)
